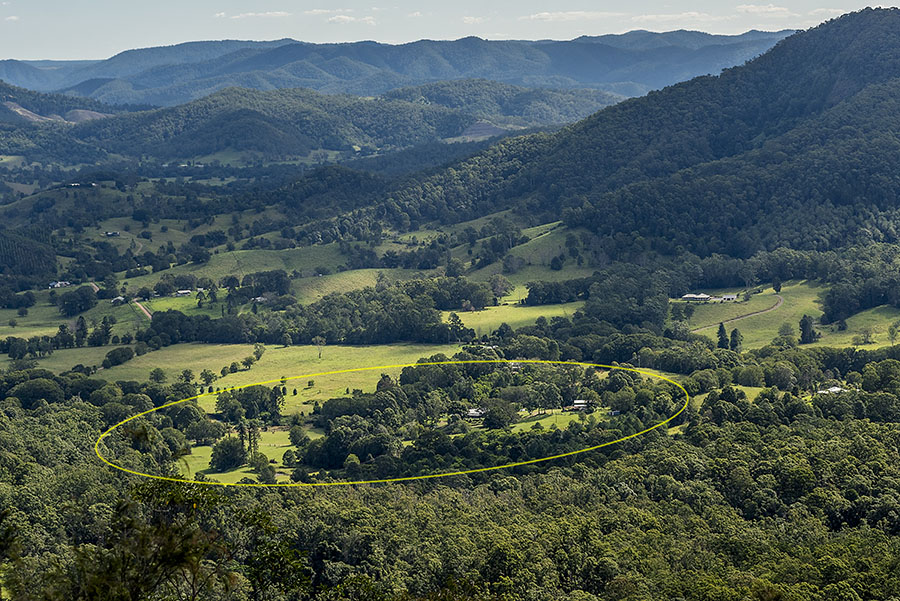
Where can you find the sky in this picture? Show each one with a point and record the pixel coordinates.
(94, 29)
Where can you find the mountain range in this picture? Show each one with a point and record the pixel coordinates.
(628, 64)
(279, 123)
(799, 147)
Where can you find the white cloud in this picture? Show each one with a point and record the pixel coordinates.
(220, 15)
(473, 20)
(765, 9)
(344, 19)
(415, 14)
(274, 13)
(690, 16)
(571, 15)
(327, 11)
(827, 11)
(11, 18)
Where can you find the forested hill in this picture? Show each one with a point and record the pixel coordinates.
(629, 64)
(18, 105)
(287, 123)
(278, 121)
(808, 99)
(504, 103)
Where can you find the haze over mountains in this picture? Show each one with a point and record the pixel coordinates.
(628, 64)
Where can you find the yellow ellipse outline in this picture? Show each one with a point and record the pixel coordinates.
(687, 400)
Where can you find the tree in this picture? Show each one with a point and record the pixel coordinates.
(319, 341)
(723, 337)
(298, 437)
(74, 302)
(157, 375)
(808, 334)
(500, 286)
(776, 284)
(207, 377)
(500, 414)
(868, 335)
(248, 361)
(186, 376)
(736, 341)
(227, 454)
(786, 337)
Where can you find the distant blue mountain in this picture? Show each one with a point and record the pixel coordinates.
(629, 64)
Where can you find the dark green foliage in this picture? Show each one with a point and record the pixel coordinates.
(77, 301)
(736, 340)
(227, 454)
(21, 255)
(724, 341)
(118, 356)
(507, 103)
(730, 164)
(276, 123)
(406, 311)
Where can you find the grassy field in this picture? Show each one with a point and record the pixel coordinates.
(878, 319)
(11, 160)
(272, 443)
(488, 320)
(43, 319)
(277, 362)
(558, 417)
(710, 314)
(800, 298)
(311, 289)
(242, 262)
(532, 273)
(185, 304)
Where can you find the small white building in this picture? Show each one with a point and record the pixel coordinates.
(832, 390)
(183, 293)
(729, 297)
(476, 413)
(696, 297)
(59, 284)
(118, 300)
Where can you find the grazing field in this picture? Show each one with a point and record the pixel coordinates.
(313, 288)
(242, 262)
(556, 416)
(272, 443)
(185, 304)
(65, 359)
(800, 298)
(277, 362)
(11, 160)
(490, 318)
(43, 319)
(709, 315)
(877, 319)
(532, 273)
